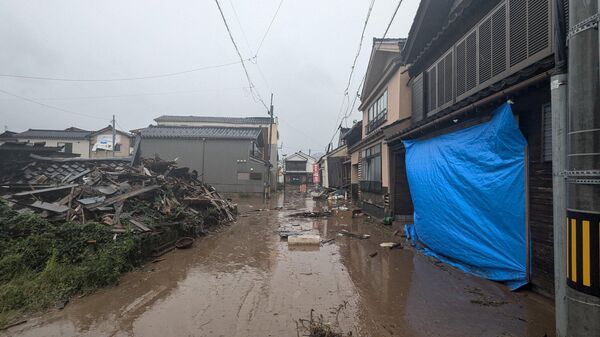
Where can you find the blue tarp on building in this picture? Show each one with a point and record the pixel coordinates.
(468, 190)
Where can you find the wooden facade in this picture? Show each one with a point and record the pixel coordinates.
(480, 55)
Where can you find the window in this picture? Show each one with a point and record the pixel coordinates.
(547, 132)
(117, 147)
(295, 166)
(255, 176)
(67, 147)
(377, 112)
(371, 169)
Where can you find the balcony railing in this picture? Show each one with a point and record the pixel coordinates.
(377, 122)
(370, 186)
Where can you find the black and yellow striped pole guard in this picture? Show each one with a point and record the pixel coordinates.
(583, 252)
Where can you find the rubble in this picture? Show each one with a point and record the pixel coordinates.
(144, 198)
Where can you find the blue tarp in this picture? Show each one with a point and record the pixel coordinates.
(468, 191)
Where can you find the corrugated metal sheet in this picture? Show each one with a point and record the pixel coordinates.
(200, 132)
(53, 134)
(212, 119)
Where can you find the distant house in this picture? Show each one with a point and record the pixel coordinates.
(86, 144)
(7, 136)
(229, 158)
(335, 164)
(72, 140)
(101, 143)
(298, 168)
(268, 126)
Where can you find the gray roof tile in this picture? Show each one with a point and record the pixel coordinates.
(212, 119)
(200, 132)
(53, 134)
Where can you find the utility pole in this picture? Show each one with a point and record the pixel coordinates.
(583, 174)
(114, 135)
(270, 154)
(559, 101)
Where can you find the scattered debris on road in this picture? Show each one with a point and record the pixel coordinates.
(391, 245)
(305, 239)
(344, 232)
(316, 214)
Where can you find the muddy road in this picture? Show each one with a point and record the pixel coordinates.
(244, 281)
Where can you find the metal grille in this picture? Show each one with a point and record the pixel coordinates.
(441, 72)
(431, 89)
(448, 78)
(471, 61)
(485, 50)
(538, 23)
(518, 31)
(499, 41)
(417, 98)
(460, 68)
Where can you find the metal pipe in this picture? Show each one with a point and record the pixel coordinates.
(559, 94)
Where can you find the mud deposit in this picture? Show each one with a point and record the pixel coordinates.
(245, 281)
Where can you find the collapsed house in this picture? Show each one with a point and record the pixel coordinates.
(155, 199)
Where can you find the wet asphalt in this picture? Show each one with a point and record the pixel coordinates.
(243, 280)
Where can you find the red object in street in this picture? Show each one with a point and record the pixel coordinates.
(316, 174)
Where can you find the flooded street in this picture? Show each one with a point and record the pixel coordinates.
(245, 281)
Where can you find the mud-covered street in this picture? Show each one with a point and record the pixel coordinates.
(244, 281)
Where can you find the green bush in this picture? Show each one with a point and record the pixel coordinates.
(43, 263)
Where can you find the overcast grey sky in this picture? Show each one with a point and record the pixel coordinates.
(305, 61)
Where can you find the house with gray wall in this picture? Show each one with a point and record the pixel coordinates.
(228, 158)
(268, 125)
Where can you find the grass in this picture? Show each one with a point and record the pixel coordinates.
(42, 263)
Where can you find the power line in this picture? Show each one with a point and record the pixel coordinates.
(128, 95)
(268, 29)
(349, 112)
(250, 83)
(62, 79)
(237, 18)
(360, 43)
(47, 105)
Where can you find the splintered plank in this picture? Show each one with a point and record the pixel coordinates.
(50, 207)
(123, 197)
(45, 190)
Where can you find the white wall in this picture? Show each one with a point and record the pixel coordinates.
(81, 147)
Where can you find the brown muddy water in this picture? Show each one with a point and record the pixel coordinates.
(245, 281)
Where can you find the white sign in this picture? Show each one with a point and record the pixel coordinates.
(104, 142)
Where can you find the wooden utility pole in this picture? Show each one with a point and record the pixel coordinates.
(114, 136)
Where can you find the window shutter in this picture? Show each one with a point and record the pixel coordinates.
(460, 68)
(471, 61)
(518, 31)
(441, 82)
(485, 50)
(537, 26)
(448, 78)
(417, 98)
(432, 89)
(499, 41)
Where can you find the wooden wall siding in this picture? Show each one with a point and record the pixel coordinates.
(402, 199)
(529, 108)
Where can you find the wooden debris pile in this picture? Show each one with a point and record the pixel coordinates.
(142, 198)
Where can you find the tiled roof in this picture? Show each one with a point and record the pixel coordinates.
(189, 132)
(53, 134)
(209, 119)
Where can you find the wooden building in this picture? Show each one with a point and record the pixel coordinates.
(465, 59)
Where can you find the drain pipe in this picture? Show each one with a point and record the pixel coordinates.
(583, 172)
